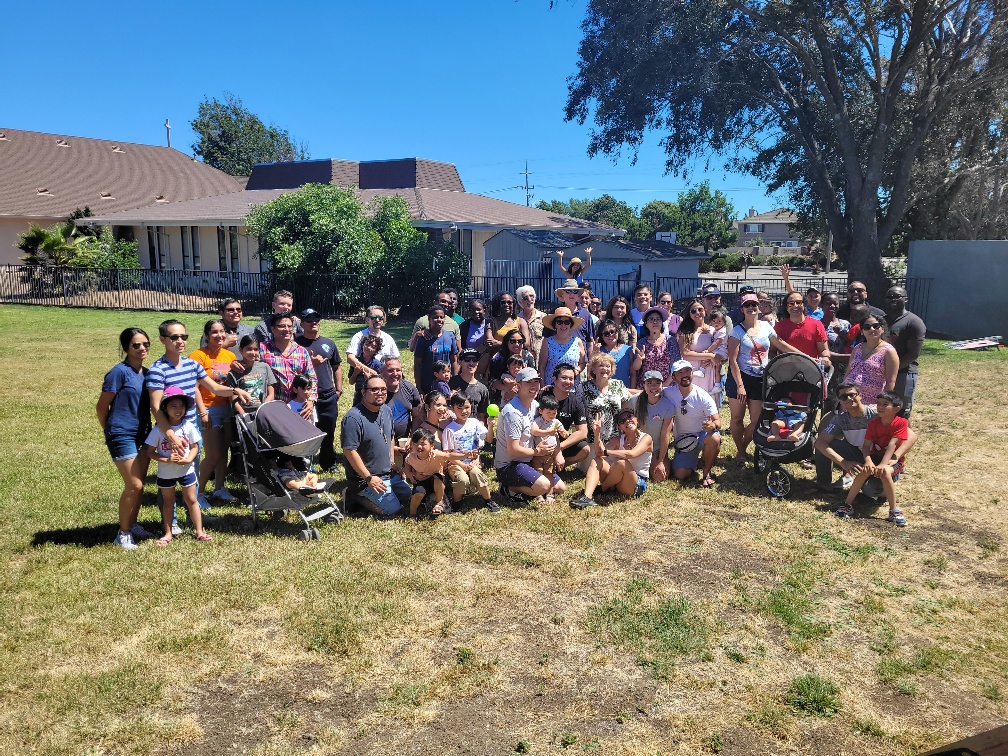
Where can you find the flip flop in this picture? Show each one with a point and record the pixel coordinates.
(709, 482)
(164, 540)
(204, 537)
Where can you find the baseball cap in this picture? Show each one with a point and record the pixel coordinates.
(310, 315)
(681, 365)
(746, 289)
(814, 288)
(468, 352)
(711, 290)
(749, 298)
(527, 374)
(653, 374)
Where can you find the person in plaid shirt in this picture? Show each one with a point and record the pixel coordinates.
(287, 359)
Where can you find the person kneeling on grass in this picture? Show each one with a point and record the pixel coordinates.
(628, 473)
(885, 438)
(465, 434)
(424, 469)
(175, 467)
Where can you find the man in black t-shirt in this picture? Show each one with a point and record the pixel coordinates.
(906, 333)
(465, 383)
(571, 414)
(329, 374)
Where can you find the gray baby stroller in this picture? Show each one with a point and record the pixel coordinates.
(792, 382)
(275, 441)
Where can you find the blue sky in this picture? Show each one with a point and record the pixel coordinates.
(481, 84)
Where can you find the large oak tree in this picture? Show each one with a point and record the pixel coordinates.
(838, 97)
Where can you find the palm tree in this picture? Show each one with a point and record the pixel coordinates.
(52, 246)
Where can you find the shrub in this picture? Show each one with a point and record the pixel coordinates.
(719, 265)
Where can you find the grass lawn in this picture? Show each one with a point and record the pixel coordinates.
(687, 621)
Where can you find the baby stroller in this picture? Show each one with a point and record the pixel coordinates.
(788, 380)
(270, 439)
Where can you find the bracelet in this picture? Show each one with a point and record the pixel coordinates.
(204, 413)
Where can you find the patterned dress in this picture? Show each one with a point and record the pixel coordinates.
(712, 374)
(605, 403)
(869, 375)
(658, 357)
(558, 353)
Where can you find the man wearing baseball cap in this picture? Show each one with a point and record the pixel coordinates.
(696, 426)
(519, 480)
(466, 383)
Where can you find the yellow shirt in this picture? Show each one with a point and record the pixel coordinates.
(217, 367)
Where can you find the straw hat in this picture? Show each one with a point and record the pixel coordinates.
(563, 312)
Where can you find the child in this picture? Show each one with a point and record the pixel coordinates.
(515, 363)
(424, 470)
(858, 313)
(257, 379)
(442, 374)
(718, 320)
(301, 386)
(370, 348)
(464, 434)
(884, 436)
(177, 468)
(788, 423)
(547, 428)
(294, 478)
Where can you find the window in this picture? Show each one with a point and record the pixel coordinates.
(785, 243)
(753, 228)
(194, 236)
(222, 259)
(158, 248)
(233, 238)
(186, 248)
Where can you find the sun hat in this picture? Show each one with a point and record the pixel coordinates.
(574, 260)
(563, 312)
(527, 374)
(681, 365)
(172, 391)
(570, 286)
(648, 312)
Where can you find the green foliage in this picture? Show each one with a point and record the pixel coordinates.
(606, 210)
(705, 219)
(720, 265)
(813, 694)
(233, 139)
(105, 251)
(49, 246)
(791, 602)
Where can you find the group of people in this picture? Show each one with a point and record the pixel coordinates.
(628, 394)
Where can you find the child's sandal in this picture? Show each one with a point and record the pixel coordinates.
(164, 540)
(896, 517)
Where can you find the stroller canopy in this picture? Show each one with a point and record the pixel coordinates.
(798, 372)
(282, 429)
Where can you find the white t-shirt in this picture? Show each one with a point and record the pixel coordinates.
(699, 406)
(463, 438)
(388, 348)
(542, 424)
(188, 435)
(514, 422)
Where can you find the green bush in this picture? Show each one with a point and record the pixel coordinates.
(705, 266)
(734, 262)
(720, 265)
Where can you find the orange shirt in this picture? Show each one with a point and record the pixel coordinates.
(217, 367)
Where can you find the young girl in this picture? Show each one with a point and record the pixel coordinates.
(465, 434)
(546, 427)
(301, 386)
(370, 348)
(509, 388)
(257, 377)
(718, 347)
(424, 469)
(177, 468)
(575, 268)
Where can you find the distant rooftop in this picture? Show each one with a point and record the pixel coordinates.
(407, 173)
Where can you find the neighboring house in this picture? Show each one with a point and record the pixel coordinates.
(209, 233)
(532, 255)
(772, 229)
(45, 177)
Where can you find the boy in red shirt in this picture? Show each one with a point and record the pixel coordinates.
(885, 440)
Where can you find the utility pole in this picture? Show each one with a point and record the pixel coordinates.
(528, 189)
(168, 130)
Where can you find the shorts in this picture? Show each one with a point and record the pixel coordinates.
(219, 415)
(124, 447)
(753, 385)
(189, 479)
(520, 475)
(690, 460)
(572, 451)
(427, 484)
(641, 486)
(461, 480)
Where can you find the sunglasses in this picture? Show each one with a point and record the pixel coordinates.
(847, 397)
(563, 321)
(871, 326)
(623, 419)
(178, 336)
(377, 389)
(609, 333)
(794, 304)
(516, 341)
(698, 311)
(665, 302)
(683, 406)
(528, 296)
(232, 309)
(470, 358)
(140, 345)
(750, 305)
(376, 317)
(854, 289)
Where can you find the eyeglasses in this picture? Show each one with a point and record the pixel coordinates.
(177, 336)
(140, 345)
(516, 341)
(376, 317)
(871, 326)
(377, 389)
(847, 397)
(232, 309)
(665, 302)
(528, 296)
(853, 289)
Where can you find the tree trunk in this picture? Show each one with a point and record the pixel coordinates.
(864, 259)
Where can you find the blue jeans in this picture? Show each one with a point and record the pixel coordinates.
(397, 495)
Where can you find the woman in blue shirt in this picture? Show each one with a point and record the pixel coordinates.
(124, 416)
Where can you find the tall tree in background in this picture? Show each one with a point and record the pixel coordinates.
(705, 219)
(606, 210)
(233, 139)
(836, 96)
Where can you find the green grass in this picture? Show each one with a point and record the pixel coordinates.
(605, 625)
(812, 694)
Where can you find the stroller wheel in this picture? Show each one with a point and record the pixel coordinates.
(315, 534)
(306, 534)
(778, 482)
(248, 525)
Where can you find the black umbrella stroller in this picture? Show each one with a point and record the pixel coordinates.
(274, 439)
(794, 382)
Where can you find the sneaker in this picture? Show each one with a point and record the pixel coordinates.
(124, 540)
(583, 502)
(845, 512)
(140, 533)
(896, 517)
(222, 496)
(204, 503)
(493, 507)
(176, 529)
(512, 496)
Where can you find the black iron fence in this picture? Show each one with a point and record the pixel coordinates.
(340, 296)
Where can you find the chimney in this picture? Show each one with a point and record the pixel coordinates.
(752, 212)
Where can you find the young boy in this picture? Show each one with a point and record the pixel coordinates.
(442, 374)
(466, 433)
(788, 424)
(546, 427)
(177, 468)
(885, 434)
(424, 469)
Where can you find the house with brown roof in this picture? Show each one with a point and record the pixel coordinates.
(45, 177)
(209, 233)
(769, 230)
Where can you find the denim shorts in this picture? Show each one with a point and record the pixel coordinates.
(219, 415)
(641, 486)
(123, 447)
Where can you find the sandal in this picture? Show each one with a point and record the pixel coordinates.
(896, 517)
(845, 512)
(438, 509)
(709, 482)
(164, 540)
(204, 537)
(550, 499)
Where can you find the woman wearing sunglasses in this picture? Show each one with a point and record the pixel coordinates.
(655, 351)
(563, 345)
(873, 363)
(610, 341)
(124, 416)
(512, 345)
(375, 320)
(617, 312)
(697, 344)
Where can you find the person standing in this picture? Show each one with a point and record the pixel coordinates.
(287, 358)
(368, 443)
(433, 344)
(533, 317)
(231, 315)
(442, 300)
(328, 365)
(466, 383)
(805, 334)
(375, 320)
(906, 333)
(569, 296)
(283, 304)
(857, 294)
